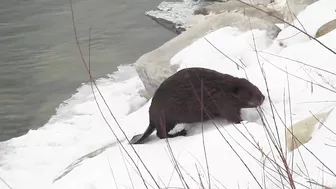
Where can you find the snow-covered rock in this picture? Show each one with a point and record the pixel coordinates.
(245, 9)
(179, 16)
(309, 21)
(173, 15)
(153, 67)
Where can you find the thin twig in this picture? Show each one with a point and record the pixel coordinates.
(111, 170)
(6, 183)
(203, 141)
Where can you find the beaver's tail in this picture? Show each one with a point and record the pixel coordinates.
(139, 139)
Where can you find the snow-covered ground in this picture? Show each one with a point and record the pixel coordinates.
(300, 77)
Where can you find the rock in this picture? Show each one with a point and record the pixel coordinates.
(326, 28)
(174, 27)
(303, 130)
(236, 6)
(173, 15)
(153, 67)
(203, 11)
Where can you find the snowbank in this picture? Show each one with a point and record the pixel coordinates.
(300, 82)
(318, 13)
(154, 66)
(34, 160)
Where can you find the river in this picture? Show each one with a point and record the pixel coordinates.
(40, 65)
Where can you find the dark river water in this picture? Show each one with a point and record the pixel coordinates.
(39, 62)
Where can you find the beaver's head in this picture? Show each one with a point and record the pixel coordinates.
(248, 95)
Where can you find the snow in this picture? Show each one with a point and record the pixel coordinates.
(310, 27)
(40, 159)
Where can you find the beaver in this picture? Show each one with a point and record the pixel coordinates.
(178, 100)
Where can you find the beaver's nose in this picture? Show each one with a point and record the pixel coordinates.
(262, 99)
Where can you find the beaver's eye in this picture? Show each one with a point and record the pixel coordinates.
(235, 90)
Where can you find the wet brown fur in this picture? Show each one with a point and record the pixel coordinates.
(178, 100)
